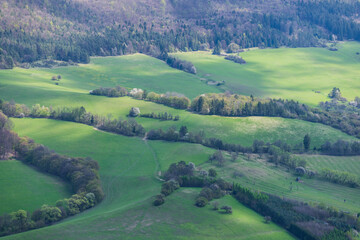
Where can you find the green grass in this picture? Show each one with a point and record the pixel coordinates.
(132, 71)
(349, 164)
(128, 170)
(285, 73)
(31, 86)
(261, 175)
(23, 187)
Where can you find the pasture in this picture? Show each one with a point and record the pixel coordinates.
(288, 73)
(23, 187)
(32, 86)
(128, 169)
(349, 164)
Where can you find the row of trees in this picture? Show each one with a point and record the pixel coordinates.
(236, 59)
(117, 91)
(237, 105)
(77, 114)
(162, 116)
(170, 99)
(177, 63)
(301, 219)
(341, 148)
(132, 128)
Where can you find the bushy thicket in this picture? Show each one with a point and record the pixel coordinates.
(117, 91)
(340, 177)
(236, 59)
(162, 116)
(174, 100)
(177, 63)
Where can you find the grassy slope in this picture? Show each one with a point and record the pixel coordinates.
(347, 164)
(285, 73)
(34, 86)
(131, 71)
(127, 168)
(22, 187)
(264, 176)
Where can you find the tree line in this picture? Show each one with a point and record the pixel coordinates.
(81, 173)
(117, 91)
(162, 116)
(241, 106)
(77, 114)
(132, 128)
(225, 104)
(177, 63)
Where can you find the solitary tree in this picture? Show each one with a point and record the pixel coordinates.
(307, 141)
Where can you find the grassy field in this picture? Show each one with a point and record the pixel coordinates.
(346, 164)
(259, 174)
(31, 86)
(132, 71)
(22, 187)
(285, 73)
(128, 169)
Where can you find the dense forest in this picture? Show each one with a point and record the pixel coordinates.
(32, 30)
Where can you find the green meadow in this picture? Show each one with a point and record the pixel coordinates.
(288, 73)
(130, 166)
(349, 164)
(257, 173)
(23, 187)
(31, 86)
(128, 169)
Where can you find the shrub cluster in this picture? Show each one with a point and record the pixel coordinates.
(170, 99)
(213, 189)
(174, 62)
(117, 91)
(236, 59)
(162, 116)
(340, 177)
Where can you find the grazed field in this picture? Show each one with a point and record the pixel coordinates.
(285, 73)
(128, 169)
(346, 164)
(23, 187)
